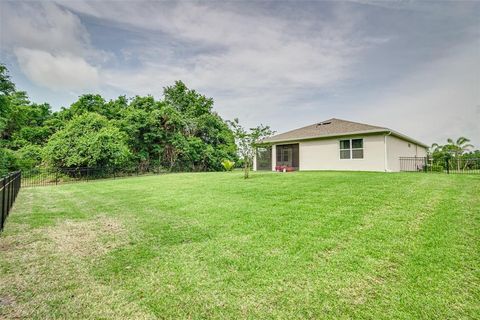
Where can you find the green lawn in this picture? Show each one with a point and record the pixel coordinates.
(315, 245)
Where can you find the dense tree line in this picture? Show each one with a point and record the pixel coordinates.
(179, 132)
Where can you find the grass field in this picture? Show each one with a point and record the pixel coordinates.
(214, 246)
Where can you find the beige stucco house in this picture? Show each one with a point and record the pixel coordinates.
(337, 144)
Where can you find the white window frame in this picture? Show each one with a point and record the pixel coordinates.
(351, 149)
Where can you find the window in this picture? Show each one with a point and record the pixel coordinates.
(351, 149)
(345, 150)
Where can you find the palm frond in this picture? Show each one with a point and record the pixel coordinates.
(462, 140)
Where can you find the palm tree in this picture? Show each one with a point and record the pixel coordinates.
(436, 148)
(458, 148)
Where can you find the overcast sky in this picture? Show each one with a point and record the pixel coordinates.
(411, 66)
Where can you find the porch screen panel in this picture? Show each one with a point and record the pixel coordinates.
(295, 156)
(284, 152)
(264, 158)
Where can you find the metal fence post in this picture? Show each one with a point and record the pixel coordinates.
(3, 203)
(9, 194)
(19, 181)
(447, 165)
(11, 189)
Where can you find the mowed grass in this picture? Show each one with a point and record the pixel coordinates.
(318, 245)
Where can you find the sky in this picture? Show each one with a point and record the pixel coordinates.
(410, 66)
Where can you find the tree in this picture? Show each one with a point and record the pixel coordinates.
(136, 126)
(22, 113)
(87, 140)
(457, 148)
(187, 101)
(472, 155)
(437, 153)
(248, 141)
(180, 131)
(8, 161)
(196, 138)
(435, 148)
(29, 156)
(88, 103)
(7, 87)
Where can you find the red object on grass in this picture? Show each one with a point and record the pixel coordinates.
(281, 168)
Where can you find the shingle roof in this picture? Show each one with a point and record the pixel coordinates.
(331, 128)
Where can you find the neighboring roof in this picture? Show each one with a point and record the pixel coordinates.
(333, 128)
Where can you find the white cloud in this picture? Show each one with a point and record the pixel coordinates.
(51, 45)
(244, 50)
(251, 49)
(43, 26)
(57, 72)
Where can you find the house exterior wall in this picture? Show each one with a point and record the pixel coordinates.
(397, 148)
(381, 152)
(324, 154)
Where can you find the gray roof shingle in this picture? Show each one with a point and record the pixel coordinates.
(330, 128)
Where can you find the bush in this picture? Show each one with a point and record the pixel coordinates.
(8, 161)
(87, 140)
(228, 165)
(435, 168)
(29, 157)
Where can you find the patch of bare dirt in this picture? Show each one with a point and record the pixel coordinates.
(6, 301)
(52, 264)
(5, 246)
(87, 238)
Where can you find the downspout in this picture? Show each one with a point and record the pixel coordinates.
(386, 150)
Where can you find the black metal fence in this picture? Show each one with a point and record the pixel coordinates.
(442, 165)
(55, 176)
(9, 187)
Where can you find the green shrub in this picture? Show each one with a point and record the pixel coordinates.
(435, 168)
(8, 161)
(29, 156)
(87, 140)
(228, 165)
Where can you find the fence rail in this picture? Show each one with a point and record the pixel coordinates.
(444, 165)
(55, 176)
(9, 187)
